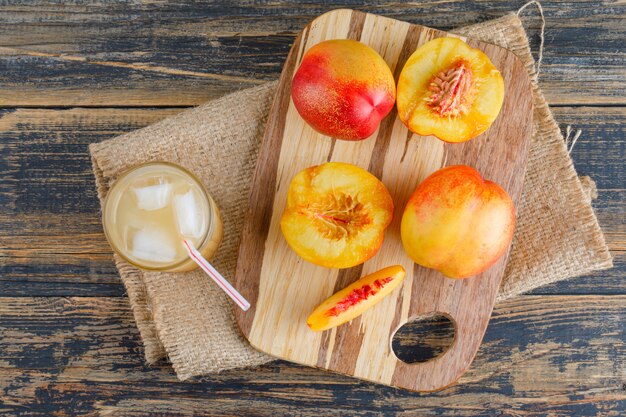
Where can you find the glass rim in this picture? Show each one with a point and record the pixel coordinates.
(205, 237)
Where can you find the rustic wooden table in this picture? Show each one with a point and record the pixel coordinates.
(75, 74)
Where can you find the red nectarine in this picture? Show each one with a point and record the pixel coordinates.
(343, 89)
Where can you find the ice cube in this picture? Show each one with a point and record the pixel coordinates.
(153, 245)
(127, 236)
(188, 214)
(153, 197)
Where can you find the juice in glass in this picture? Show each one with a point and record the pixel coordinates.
(152, 208)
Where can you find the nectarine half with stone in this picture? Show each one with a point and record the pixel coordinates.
(450, 90)
(353, 300)
(336, 214)
(457, 222)
(343, 89)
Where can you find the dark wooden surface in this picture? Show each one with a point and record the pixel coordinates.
(73, 74)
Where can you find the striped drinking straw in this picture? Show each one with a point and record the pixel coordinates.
(216, 276)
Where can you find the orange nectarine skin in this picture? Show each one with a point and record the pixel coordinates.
(457, 223)
(343, 89)
(353, 300)
(336, 215)
(449, 90)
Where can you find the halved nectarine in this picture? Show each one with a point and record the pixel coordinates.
(353, 300)
(336, 214)
(450, 90)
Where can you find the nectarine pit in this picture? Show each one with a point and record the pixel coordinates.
(452, 90)
(358, 295)
(338, 215)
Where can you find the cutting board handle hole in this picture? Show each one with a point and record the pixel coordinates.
(423, 338)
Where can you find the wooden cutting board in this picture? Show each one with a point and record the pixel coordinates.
(284, 289)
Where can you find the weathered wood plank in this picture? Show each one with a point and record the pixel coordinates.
(559, 354)
(44, 152)
(45, 164)
(52, 240)
(65, 255)
(298, 398)
(600, 152)
(49, 210)
(558, 357)
(601, 149)
(110, 53)
(52, 254)
(52, 288)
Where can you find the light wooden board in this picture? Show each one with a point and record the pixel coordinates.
(284, 289)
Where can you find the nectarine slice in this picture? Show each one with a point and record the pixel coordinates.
(353, 300)
(450, 90)
(336, 214)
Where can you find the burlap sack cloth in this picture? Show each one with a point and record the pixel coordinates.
(187, 318)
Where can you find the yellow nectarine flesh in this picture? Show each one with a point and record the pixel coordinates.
(336, 214)
(353, 300)
(450, 90)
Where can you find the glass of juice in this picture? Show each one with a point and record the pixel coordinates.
(151, 208)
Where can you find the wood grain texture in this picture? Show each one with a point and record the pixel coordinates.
(541, 355)
(52, 244)
(283, 289)
(82, 355)
(184, 53)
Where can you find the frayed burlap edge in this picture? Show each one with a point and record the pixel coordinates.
(185, 315)
(523, 273)
(565, 231)
(135, 288)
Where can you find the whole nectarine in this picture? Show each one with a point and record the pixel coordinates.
(343, 89)
(457, 222)
(336, 214)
